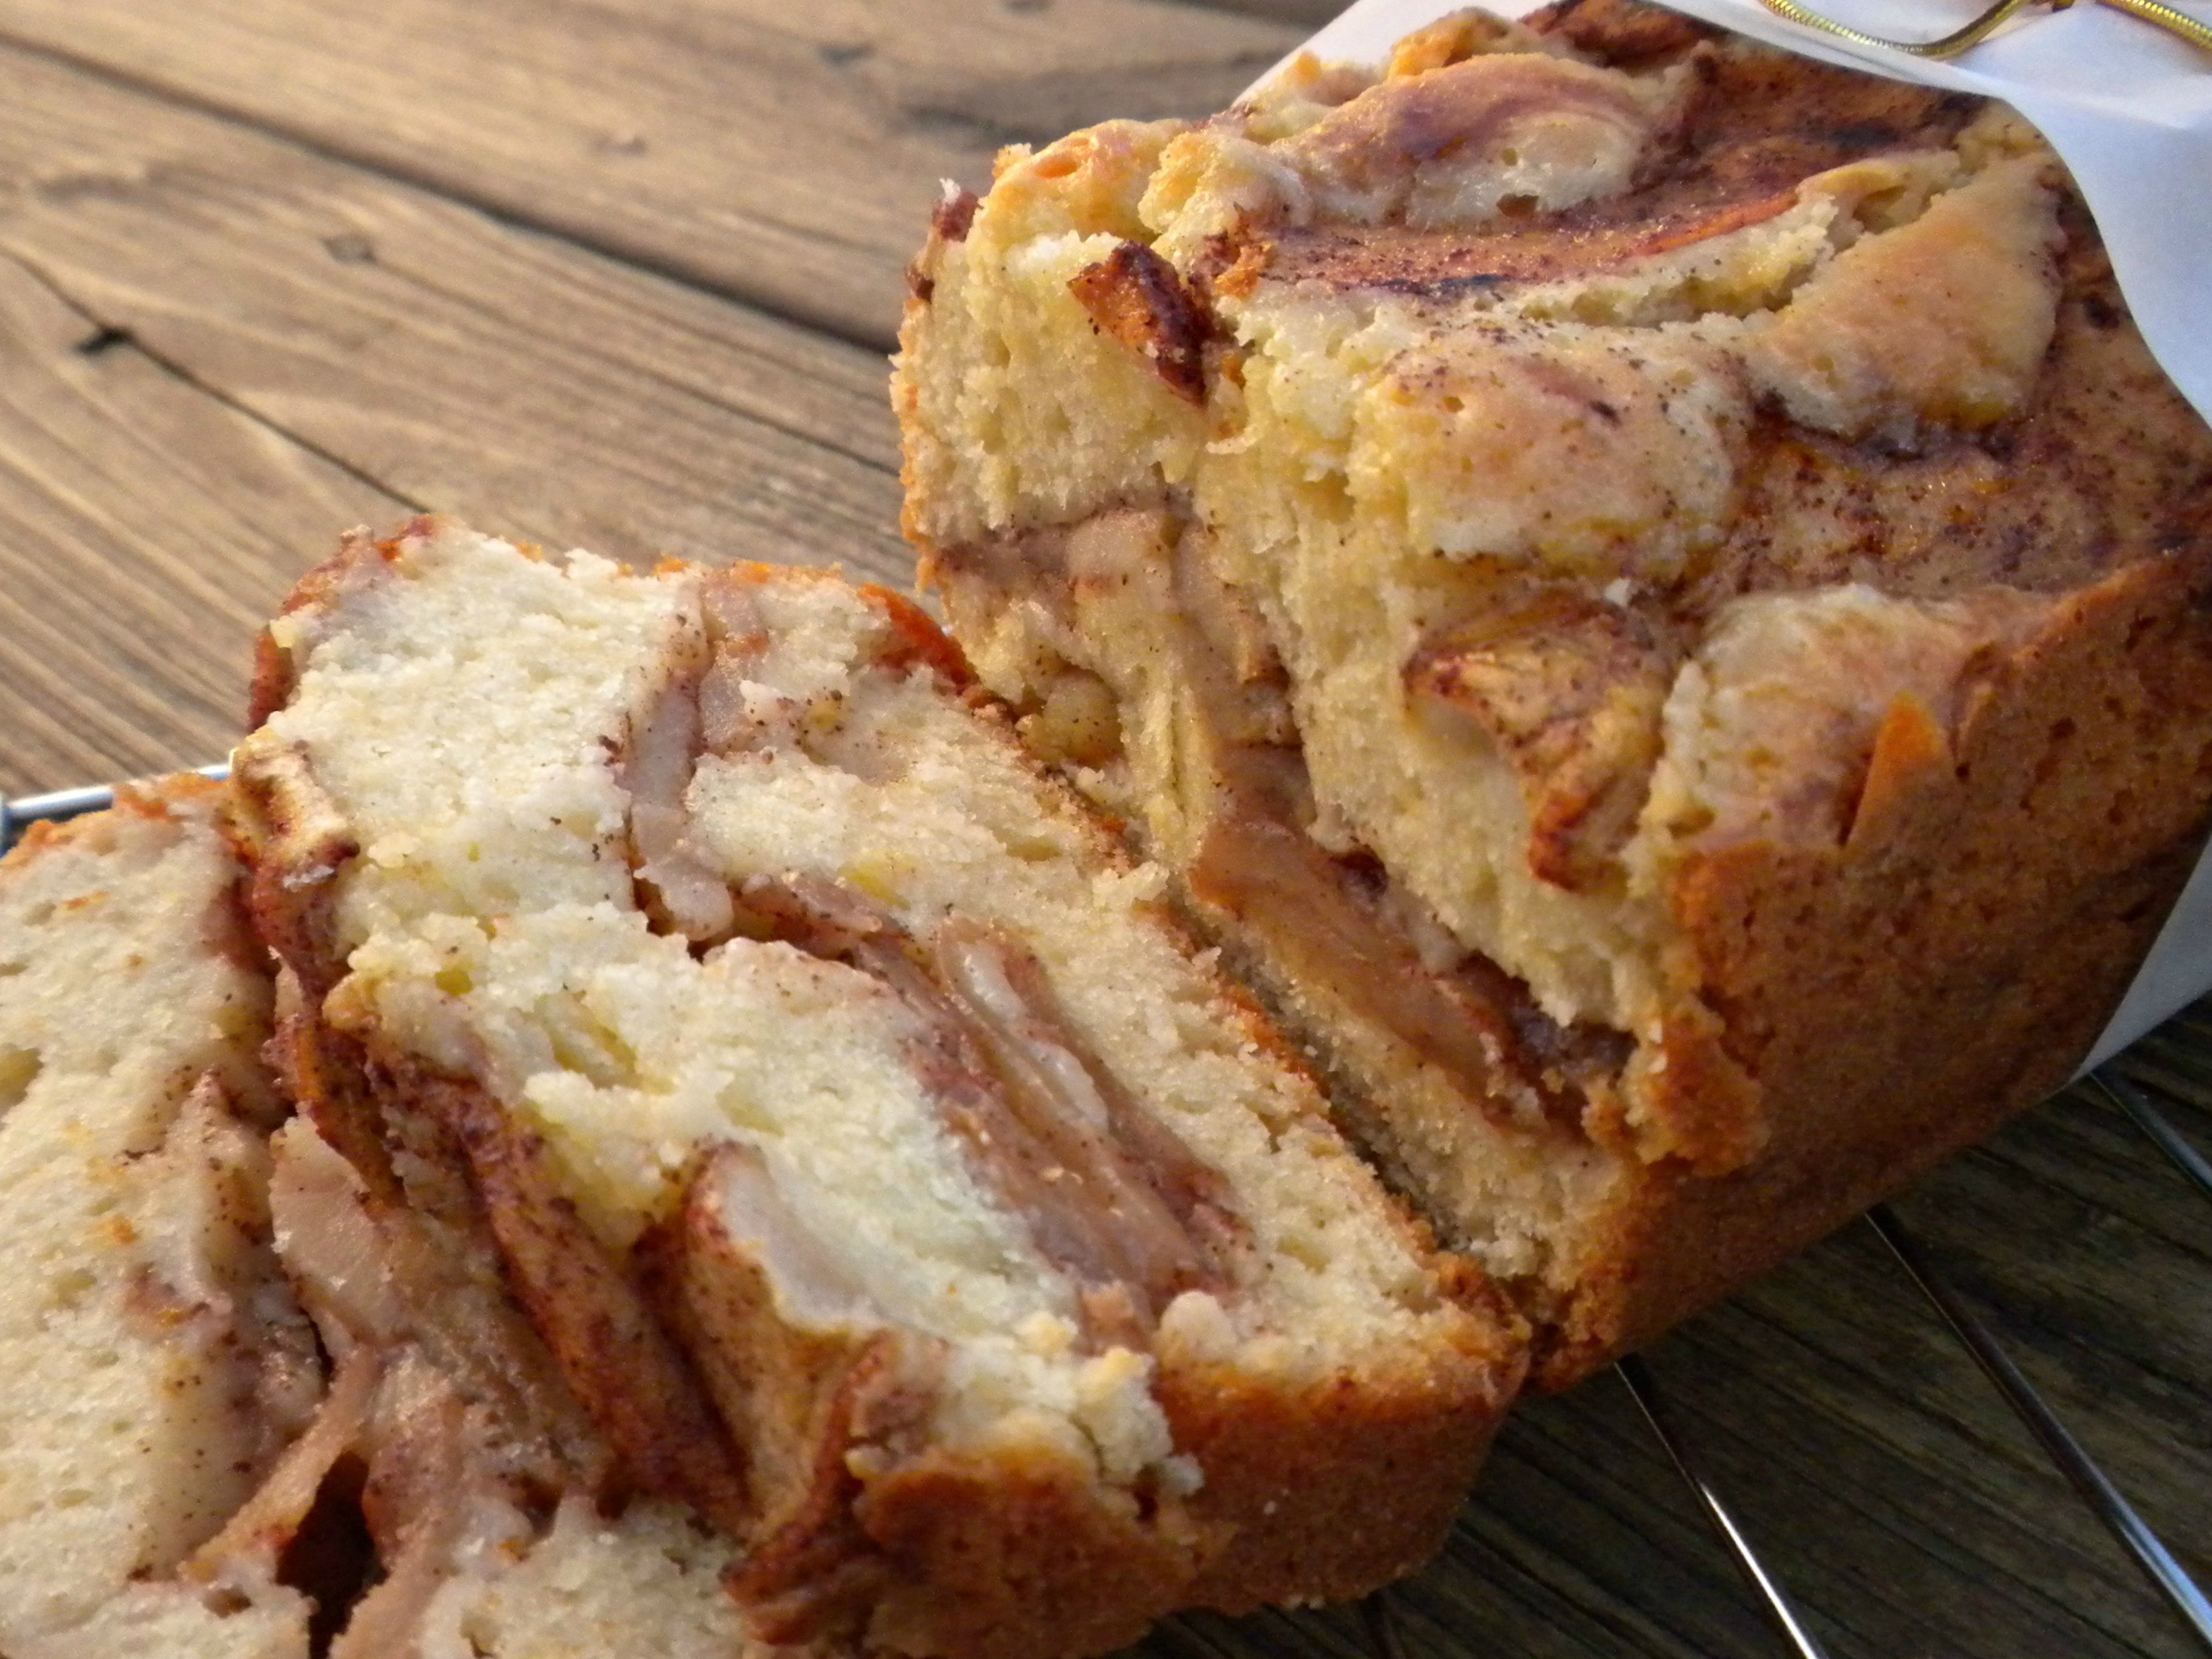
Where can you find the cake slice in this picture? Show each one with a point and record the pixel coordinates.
(451, 1497)
(1648, 589)
(249, 1414)
(152, 1363)
(895, 1185)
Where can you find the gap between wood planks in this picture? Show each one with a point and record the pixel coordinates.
(285, 345)
(1302, 14)
(142, 523)
(106, 337)
(784, 157)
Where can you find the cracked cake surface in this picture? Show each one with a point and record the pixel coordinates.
(1647, 588)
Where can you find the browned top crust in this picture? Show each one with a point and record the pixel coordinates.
(1924, 391)
(2041, 497)
(1754, 126)
(2049, 500)
(1762, 323)
(1136, 296)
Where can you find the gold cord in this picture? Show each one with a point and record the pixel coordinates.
(2169, 18)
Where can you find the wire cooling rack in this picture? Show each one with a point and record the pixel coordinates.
(2095, 1488)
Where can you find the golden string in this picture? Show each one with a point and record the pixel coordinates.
(2169, 18)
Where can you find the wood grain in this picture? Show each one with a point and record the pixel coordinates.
(1300, 13)
(442, 359)
(1904, 1508)
(146, 528)
(786, 154)
(459, 361)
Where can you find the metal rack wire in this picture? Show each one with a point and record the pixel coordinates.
(20, 811)
(2181, 1593)
(2095, 1488)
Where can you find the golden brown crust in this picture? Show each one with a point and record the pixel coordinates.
(1898, 995)
(1137, 297)
(1621, 33)
(1323, 1491)
(1756, 127)
(1338, 1488)
(1772, 1149)
(1855, 1012)
(1019, 1558)
(902, 1546)
(1902, 919)
(2057, 501)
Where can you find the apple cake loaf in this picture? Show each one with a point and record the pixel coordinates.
(893, 1183)
(185, 1469)
(1648, 589)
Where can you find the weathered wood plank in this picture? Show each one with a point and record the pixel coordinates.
(1890, 1485)
(1300, 13)
(457, 362)
(1904, 1508)
(784, 154)
(1889, 1482)
(146, 529)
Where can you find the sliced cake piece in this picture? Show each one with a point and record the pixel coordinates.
(176, 1477)
(1649, 590)
(895, 1185)
(152, 1363)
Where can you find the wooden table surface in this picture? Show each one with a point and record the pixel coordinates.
(621, 273)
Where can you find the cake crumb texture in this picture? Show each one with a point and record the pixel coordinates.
(1632, 463)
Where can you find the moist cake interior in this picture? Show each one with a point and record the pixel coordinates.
(1436, 504)
(864, 1139)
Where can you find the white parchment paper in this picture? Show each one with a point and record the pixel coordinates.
(2129, 107)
